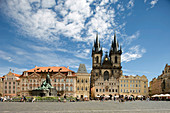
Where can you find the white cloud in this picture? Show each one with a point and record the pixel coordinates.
(84, 54)
(120, 7)
(129, 39)
(48, 3)
(5, 70)
(133, 53)
(145, 1)
(130, 4)
(153, 2)
(5, 56)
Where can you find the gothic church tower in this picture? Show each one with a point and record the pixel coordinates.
(105, 71)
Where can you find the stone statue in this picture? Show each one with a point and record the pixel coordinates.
(46, 83)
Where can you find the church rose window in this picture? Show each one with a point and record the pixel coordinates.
(106, 75)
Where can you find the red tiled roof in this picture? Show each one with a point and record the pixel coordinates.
(45, 69)
(17, 75)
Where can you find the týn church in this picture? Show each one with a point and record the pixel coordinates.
(105, 70)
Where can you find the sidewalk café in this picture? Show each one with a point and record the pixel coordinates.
(161, 97)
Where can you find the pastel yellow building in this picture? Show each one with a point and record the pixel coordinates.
(83, 82)
(133, 85)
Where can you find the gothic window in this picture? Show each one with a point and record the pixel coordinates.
(97, 59)
(82, 80)
(78, 80)
(115, 59)
(96, 90)
(106, 75)
(96, 74)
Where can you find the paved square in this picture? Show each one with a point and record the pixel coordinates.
(87, 107)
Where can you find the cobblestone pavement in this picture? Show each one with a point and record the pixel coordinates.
(87, 107)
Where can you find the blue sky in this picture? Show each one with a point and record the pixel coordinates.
(61, 33)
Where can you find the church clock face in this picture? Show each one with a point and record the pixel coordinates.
(106, 59)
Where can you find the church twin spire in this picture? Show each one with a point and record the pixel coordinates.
(114, 47)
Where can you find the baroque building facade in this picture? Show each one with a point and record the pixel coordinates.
(11, 84)
(105, 71)
(83, 83)
(62, 79)
(133, 85)
(1, 86)
(161, 84)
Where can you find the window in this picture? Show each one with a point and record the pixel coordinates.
(71, 89)
(136, 85)
(5, 83)
(13, 91)
(136, 81)
(9, 87)
(124, 90)
(5, 91)
(97, 59)
(121, 80)
(139, 90)
(139, 81)
(96, 90)
(127, 90)
(66, 88)
(13, 82)
(78, 88)
(82, 80)
(58, 80)
(115, 59)
(13, 87)
(127, 80)
(106, 75)
(23, 80)
(71, 80)
(82, 88)
(62, 80)
(100, 90)
(136, 91)
(144, 86)
(127, 85)
(86, 81)
(9, 91)
(23, 89)
(121, 90)
(86, 88)
(9, 82)
(124, 85)
(103, 90)
(58, 88)
(109, 90)
(78, 81)
(67, 80)
(112, 90)
(116, 90)
(96, 74)
(130, 81)
(54, 80)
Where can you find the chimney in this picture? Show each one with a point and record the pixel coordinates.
(67, 67)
